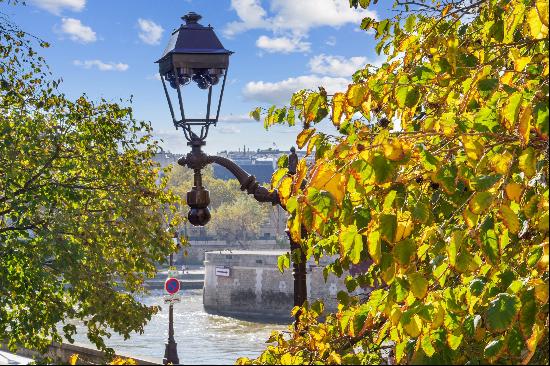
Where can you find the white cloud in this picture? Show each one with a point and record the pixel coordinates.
(56, 6)
(293, 16)
(331, 41)
(228, 130)
(281, 91)
(150, 32)
(235, 118)
(77, 31)
(155, 76)
(336, 65)
(282, 44)
(251, 14)
(101, 66)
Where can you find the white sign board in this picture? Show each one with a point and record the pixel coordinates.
(223, 271)
(173, 273)
(172, 298)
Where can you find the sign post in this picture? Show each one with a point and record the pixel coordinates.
(172, 287)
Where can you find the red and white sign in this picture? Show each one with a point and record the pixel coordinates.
(172, 285)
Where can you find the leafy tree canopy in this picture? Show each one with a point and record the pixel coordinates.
(438, 175)
(81, 213)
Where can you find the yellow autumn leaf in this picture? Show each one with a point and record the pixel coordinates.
(326, 178)
(514, 191)
(524, 127)
(414, 327)
(469, 217)
(338, 101)
(541, 291)
(439, 317)
(301, 171)
(284, 189)
(543, 262)
(542, 10)
(304, 136)
(405, 226)
(473, 146)
(501, 162)
(536, 19)
(73, 359)
(394, 151)
(510, 219)
(507, 78)
(520, 62)
(356, 94)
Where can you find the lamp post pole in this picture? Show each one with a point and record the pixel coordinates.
(171, 350)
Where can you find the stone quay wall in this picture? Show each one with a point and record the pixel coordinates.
(248, 284)
(197, 249)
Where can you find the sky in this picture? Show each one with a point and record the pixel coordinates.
(107, 49)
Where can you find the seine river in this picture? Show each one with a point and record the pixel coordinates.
(202, 338)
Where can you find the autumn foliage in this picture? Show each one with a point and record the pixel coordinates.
(438, 175)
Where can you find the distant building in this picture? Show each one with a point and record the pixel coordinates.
(259, 163)
(165, 158)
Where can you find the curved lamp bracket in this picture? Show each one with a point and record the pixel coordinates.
(197, 160)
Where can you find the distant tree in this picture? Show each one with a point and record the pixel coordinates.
(81, 212)
(240, 220)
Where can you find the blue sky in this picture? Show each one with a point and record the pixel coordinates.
(107, 49)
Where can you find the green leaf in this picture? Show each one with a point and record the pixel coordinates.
(410, 22)
(476, 286)
(480, 202)
(515, 342)
(511, 109)
(388, 227)
(454, 246)
(255, 114)
(429, 162)
(362, 217)
(400, 289)
(283, 261)
(383, 170)
(404, 251)
(541, 118)
(419, 285)
(528, 313)
(388, 200)
(528, 162)
(421, 213)
(401, 96)
(534, 256)
(375, 246)
(489, 245)
(502, 311)
(493, 348)
(352, 243)
(454, 340)
(315, 107)
(472, 324)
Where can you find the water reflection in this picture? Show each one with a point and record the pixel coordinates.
(202, 338)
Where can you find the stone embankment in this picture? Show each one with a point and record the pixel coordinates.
(248, 284)
(192, 279)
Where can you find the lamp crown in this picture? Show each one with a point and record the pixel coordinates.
(191, 18)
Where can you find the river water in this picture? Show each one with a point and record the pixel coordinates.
(202, 338)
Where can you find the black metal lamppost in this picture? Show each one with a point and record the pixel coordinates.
(195, 55)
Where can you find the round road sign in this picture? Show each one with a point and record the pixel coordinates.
(172, 285)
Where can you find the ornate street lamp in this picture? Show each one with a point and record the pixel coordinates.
(195, 55)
